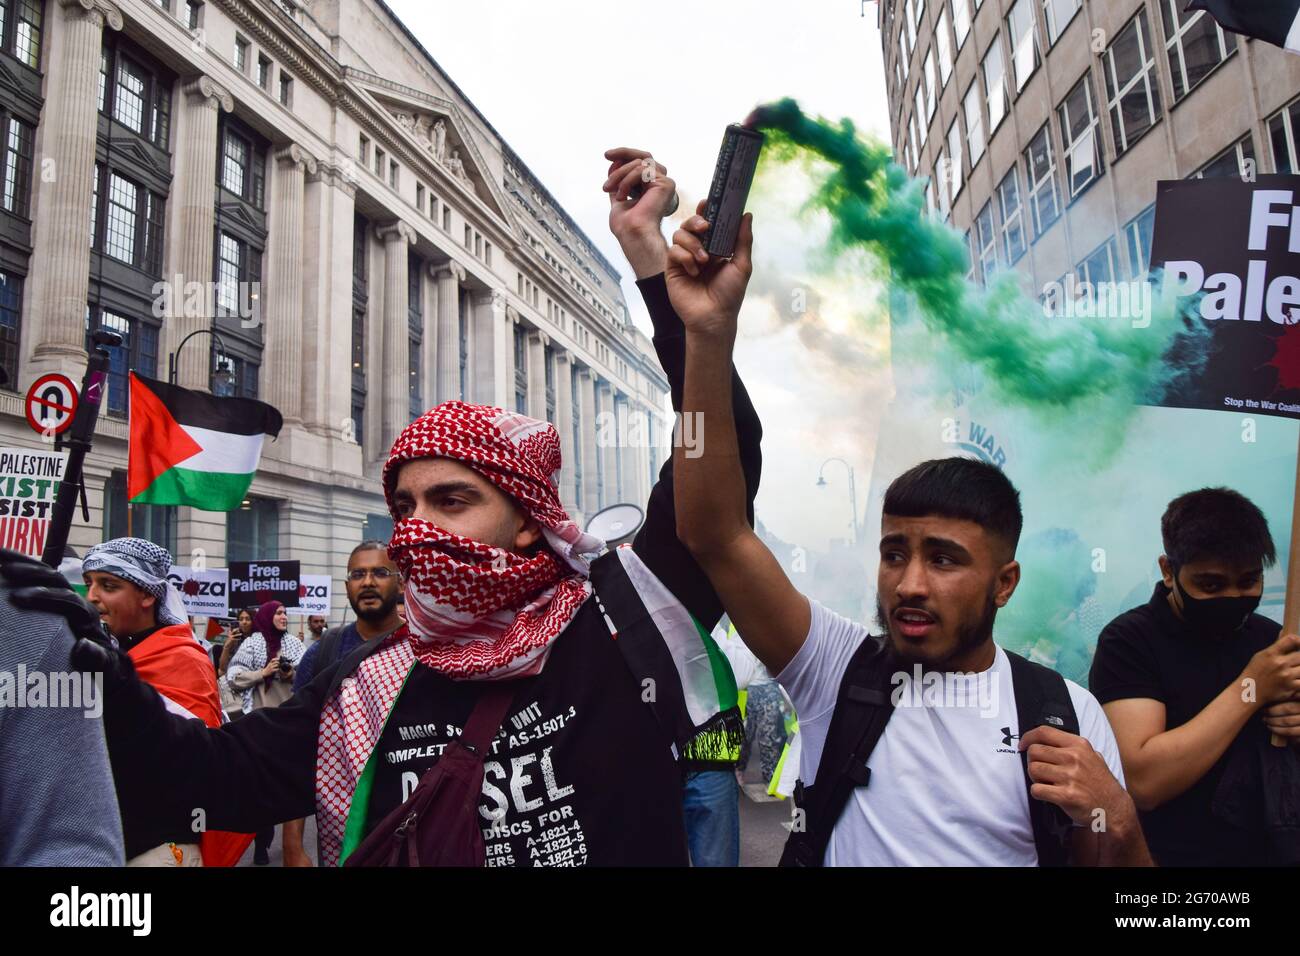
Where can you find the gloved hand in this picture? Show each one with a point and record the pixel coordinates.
(35, 586)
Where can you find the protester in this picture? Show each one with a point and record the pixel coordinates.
(51, 817)
(497, 586)
(946, 784)
(710, 790)
(374, 588)
(1184, 678)
(315, 630)
(764, 706)
(242, 630)
(126, 581)
(262, 671)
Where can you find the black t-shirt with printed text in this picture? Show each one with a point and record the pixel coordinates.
(1148, 652)
(579, 774)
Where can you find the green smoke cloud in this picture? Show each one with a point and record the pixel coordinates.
(940, 320)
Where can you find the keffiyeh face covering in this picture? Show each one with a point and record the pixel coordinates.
(474, 611)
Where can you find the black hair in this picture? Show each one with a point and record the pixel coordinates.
(1216, 524)
(962, 488)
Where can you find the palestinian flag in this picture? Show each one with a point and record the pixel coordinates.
(192, 448)
(695, 698)
(1273, 21)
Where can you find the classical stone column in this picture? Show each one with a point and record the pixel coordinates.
(506, 353)
(429, 337)
(397, 238)
(654, 450)
(590, 490)
(61, 257)
(449, 276)
(193, 218)
(644, 481)
(537, 342)
(564, 424)
(283, 312)
(491, 348)
(607, 431)
(624, 454)
(327, 301)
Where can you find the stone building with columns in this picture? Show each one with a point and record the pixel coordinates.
(304, 181)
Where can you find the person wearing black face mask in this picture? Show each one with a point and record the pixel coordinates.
(1195, 674)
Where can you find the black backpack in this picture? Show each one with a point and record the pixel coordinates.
(862, 709)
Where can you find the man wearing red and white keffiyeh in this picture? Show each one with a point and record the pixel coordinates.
(501, 587)
(494, 566)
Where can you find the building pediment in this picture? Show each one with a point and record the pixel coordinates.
(436, 131)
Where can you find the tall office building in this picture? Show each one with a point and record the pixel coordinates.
(1044, 125)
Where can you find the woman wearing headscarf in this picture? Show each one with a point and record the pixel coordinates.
(263, 667)
(262, 671)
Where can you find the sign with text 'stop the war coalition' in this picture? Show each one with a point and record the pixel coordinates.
(1234, 245)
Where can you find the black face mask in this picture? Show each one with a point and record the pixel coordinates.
(1215, 617)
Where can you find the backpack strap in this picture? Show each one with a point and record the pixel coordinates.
(642, 646)
(862, 709)
(1042, 697)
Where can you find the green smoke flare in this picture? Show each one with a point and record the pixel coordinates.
(1026, 358)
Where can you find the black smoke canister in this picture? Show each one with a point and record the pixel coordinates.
(732, 177)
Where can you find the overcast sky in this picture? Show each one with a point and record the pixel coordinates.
(564, 80)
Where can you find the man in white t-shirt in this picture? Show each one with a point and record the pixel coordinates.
(947, 783)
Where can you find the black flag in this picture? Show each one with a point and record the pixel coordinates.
(1273, 21)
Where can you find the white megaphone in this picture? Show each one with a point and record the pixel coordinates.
(616, 524)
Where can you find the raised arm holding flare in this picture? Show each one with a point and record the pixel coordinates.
(947, 563)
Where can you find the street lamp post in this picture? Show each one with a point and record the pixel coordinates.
(223, 357)
(853, 495)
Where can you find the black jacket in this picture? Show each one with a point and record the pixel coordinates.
(260, 770)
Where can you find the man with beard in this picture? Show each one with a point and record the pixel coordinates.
(946, 781)
(374, 586)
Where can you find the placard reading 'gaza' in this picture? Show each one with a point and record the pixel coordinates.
(1233, 246)
(255, 582)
